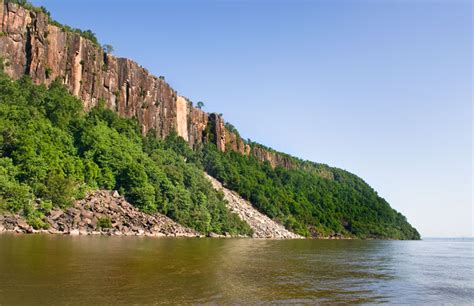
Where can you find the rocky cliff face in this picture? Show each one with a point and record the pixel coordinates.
(30, 45)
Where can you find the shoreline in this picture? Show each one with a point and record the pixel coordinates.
(76, 232)
(99, 213)
(106, 213)
(115, 233)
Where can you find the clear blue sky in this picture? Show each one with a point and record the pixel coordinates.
(380, 88)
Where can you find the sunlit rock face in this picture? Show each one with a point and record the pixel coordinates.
(30, 45)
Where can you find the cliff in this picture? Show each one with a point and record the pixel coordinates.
(31, 45)
(311, 200)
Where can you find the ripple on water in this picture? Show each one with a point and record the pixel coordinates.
(45, 269)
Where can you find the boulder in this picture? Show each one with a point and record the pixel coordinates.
(83, 217)
(74, 232)
(22, 224)
(87, 214)
(55, 214)
(83, 232)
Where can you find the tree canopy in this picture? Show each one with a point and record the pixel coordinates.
(52, 152)
(310, 199)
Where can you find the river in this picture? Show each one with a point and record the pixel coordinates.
(48, 269)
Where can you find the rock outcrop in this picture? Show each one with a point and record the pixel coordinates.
(262, 226)
(101, 213)
(30, 45)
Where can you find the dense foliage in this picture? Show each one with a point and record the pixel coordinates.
(311, 199)
(51, 153)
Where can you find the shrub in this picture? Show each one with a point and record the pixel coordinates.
(108, 48)
(104, 223)
(47, 72)
(59, 190)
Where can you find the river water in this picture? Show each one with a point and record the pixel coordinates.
(47, 269)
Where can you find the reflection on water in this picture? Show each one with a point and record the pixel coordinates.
(44, 269)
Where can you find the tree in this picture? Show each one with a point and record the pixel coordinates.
(108, 48)
(59, 190)
(88, 34)
(200, 105)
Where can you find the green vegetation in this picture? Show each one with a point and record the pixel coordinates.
(108, 48)
(88, 34)
(29, 6)
(51, 153)
(311, 199)
(3, 63)
(47, 72)
(200, 105)
(104, 223)
(231, 128)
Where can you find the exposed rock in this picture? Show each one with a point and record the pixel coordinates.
(100, 213)
(214, 235)
(82, 219)
(274, 158)
(22, 224)
(263, 226)
(30, 45)
(55, 213)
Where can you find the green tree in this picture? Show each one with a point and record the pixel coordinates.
(108, 48)
(200, 105)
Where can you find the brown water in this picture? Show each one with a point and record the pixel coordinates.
(42, 269)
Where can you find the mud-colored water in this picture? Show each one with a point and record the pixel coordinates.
(47, 269)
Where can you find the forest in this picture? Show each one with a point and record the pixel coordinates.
(310, 199)
(52, 152)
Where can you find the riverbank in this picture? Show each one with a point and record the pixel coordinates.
(107, 213)
(100, 213)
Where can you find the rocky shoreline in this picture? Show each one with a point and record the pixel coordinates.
(107, 213)
(101, 213)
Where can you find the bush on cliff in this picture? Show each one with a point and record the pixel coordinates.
(51, 150)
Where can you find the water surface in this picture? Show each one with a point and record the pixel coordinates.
(46, 269)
